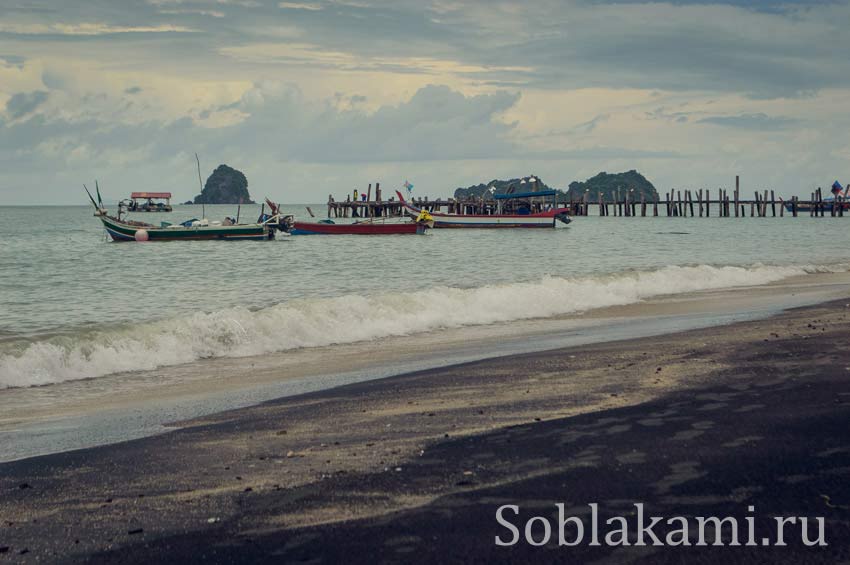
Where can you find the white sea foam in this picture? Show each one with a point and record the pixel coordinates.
(236, 332)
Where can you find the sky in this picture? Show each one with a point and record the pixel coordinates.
(311, 98)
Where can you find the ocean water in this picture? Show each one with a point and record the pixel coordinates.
(75, 306)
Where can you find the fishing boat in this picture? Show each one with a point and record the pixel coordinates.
(828, 204)
(838, 201)
(123, 229)
(130, 230)
(524, 218)
(327, 227)
(372, 226)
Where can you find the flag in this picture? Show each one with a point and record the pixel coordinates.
(836, 187)
(408, 186)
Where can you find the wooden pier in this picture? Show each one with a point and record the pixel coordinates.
(676, 203)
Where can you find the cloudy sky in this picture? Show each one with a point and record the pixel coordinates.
(316, 97)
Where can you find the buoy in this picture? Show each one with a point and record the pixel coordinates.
(141, 235)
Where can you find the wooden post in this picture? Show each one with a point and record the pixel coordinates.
(655, 205)
(736, 198)
(773, 203)
(707, 203)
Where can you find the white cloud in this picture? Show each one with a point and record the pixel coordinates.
(86, 29)
(299, 6)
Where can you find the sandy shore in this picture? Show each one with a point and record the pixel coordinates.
(413, 467)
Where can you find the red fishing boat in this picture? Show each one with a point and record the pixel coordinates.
(376, 227)
(372, 226)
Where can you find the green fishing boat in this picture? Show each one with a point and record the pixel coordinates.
(266, 227)
(129, 230)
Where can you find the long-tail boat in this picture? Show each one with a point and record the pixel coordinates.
(266, 226)
(545, 219)
(130, 230)
(422, 223)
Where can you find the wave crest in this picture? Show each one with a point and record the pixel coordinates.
(237, 332)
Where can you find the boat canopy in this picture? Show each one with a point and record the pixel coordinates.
(525, 194)
(150, 195)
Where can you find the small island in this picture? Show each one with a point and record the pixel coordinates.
(605, 183)
(608, 185)
(225, 185)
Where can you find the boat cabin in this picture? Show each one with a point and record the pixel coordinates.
(525, 202)
(149, 202)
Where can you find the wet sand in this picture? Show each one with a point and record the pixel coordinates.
(413, 467)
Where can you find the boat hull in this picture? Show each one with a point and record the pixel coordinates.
(546, 219)
(366, 228)
(121, 231)
(808, 206)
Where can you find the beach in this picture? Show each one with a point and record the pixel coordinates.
(413, 467)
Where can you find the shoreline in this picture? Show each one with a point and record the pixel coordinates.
(81, 414)
(257, 480)
(87, 413)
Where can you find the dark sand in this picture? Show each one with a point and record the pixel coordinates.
(413, 468)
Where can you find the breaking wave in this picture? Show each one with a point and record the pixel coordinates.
(236, 332)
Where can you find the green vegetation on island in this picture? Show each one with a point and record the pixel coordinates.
(523, 184)
(225, 185)
(604, 183)
(608, 185)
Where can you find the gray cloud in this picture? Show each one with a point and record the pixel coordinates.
(436, 123)
(765, 49)
(682, 48)
(23, 103)
(750, 121)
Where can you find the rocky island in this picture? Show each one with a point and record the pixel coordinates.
(225, 185)
(608, 184)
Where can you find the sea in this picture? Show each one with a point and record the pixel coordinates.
(74, 305)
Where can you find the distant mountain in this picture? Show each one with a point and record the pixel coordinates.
(608, 184)
(225, 185)
(523, 184)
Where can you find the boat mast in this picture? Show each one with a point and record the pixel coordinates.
(201, 183)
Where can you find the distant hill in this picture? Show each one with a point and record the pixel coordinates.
(608, 184)
(225, 185)
(522, 184)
